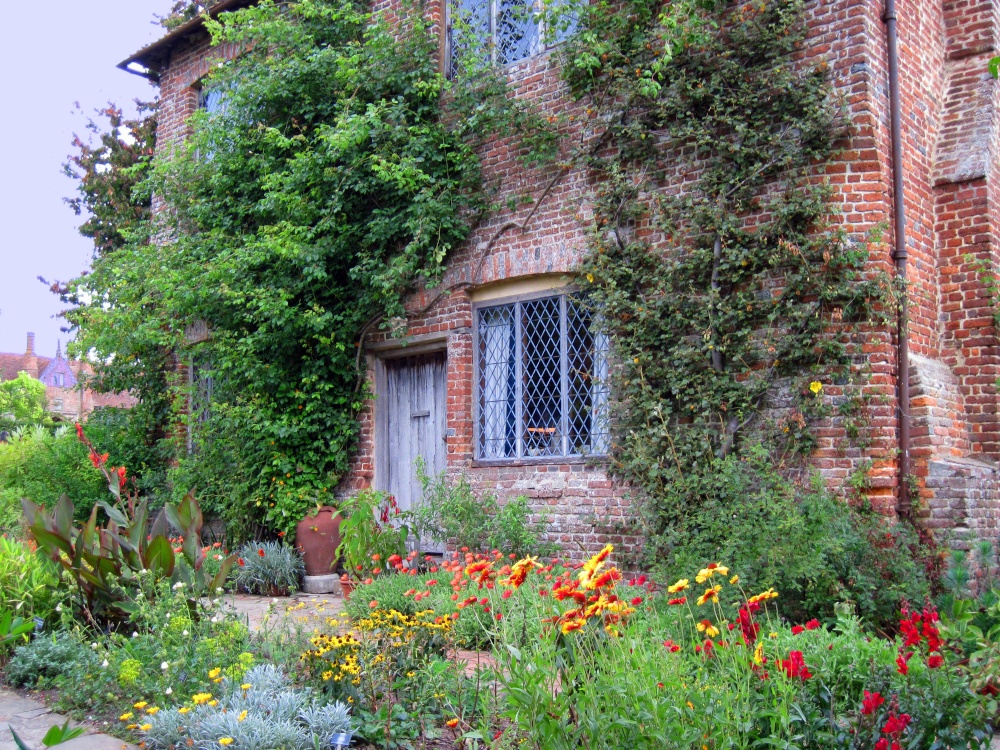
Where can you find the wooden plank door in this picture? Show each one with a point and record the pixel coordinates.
(412, 422)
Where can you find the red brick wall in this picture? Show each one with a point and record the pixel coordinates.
(952, 210)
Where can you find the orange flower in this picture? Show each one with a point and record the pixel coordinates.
(452, 723)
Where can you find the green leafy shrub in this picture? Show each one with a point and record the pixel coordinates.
(268, 568)
(450, 512)
(42, 465)
(132, 438)
(799, 539)
(47, 657)
(372, 532)
(29, 582)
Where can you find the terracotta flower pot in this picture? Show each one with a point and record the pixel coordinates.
(317, 537)
(346, 587)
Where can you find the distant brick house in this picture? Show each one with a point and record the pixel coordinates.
(64, 392)
(481, 387)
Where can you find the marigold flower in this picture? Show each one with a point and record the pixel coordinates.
(140, 705)
(706, 627)
(242, 716)
(152, 711)
(146, 727)
(225, 741)
(711, 595)
(213, 673)
(126, 716)
(452, 723)
(183, 710)
(200, 698)
(245, 686)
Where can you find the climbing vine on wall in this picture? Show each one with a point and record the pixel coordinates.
(731, 290)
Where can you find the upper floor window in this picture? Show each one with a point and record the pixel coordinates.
(59, 380)
(541, 380)
(506, 31)
(212, 100)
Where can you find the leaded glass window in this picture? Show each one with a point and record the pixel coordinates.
(541, 380)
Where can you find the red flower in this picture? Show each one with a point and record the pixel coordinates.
(98, 459)
(813, 624)
(935, 661)
(637, 601)
(260, 552)
(795, 666)
(671, 646)
(121, 476)
(796, 629)
(896, 724)
(882, 744)
(281, 533)
(79, 431)
(871, 703)
(506, 594)
(901, 660)
(240, 561)
(679, 600)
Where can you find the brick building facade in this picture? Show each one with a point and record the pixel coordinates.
(64, 392)
(504, 441)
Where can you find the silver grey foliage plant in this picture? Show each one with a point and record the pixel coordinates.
(279, 569)
(277, 716)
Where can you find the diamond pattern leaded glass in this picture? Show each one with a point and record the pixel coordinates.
(497, 384)
(468, 29)
(516, 30)
(541, 380)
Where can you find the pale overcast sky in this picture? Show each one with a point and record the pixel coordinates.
(56, 53)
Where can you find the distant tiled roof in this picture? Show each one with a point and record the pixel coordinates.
(12, 364)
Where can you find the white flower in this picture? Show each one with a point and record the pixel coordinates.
(94, 645)
(169, 614)
(178, 585)
(58, 608)
(164, 666)
(184, 633)
(104, 663)
(134, 634)
(168, 691)
(215, 619)
(143, 572)
(218, 590)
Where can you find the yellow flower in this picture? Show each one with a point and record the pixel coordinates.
(711, 595)
(200, 698)
(452, 722)
(245, 686)
(183, 710)
(125, 716)
(152, 711)
(815, 387)
(772, 634)
(132, 726)
(763, 596)
(734, 580)
(225, 741)
(679, 586)
(146, 727)
(214, 673)
(706, 627)
(242, 716)
(758, 653)
(213, 703)
(140, 704)
(710, 570)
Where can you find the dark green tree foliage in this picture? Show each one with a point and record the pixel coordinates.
(338, 175)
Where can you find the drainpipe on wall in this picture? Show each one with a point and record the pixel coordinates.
(899, 255)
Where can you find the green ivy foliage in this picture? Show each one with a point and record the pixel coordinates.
(719, 266)
(337, 176)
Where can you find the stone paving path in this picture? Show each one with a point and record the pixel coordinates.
(31, 719)
(305, 611)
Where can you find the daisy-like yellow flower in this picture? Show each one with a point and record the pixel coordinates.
(763, 596)
(152, 710)
(706, 627)
(200, 698)
(213, 703)
(734, 580)
(815, 387)
(125, 716)
(679, 586)
(242, 716)
(132, 726)
(245, 686)
(146, 727)
(213, 673)
(758, 653)
(183, 710)
(711, 595)
(710, 570)
(452, 723)
(225, 741)
(140, 705)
